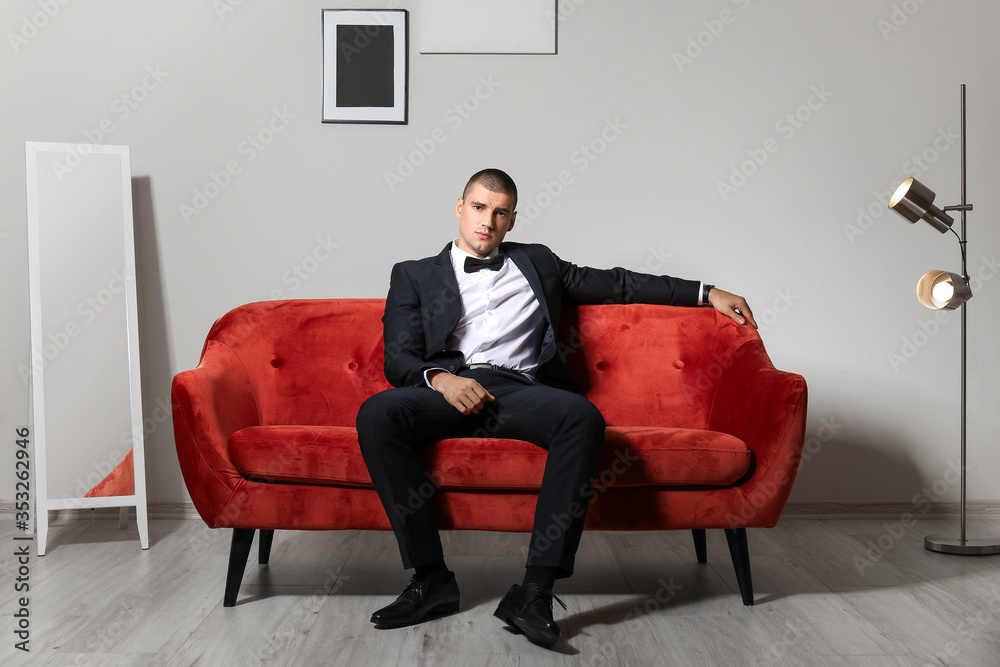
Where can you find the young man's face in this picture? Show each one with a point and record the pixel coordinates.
(484, 218)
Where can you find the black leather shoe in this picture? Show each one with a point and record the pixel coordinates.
(528, 609)
(423, 599)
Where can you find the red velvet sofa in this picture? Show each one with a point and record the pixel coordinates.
(702, 431)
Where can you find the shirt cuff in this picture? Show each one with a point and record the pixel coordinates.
(428, 382)
(701, 292)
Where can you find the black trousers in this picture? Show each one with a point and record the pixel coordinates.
(392, 424)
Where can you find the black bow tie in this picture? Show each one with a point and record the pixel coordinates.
(492, 263)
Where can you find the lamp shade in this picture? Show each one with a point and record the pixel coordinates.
(940, 290)
(915, 201)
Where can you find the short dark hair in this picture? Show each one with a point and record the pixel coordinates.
(494, 180)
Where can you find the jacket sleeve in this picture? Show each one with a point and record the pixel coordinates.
(403, 332)
(583, 285)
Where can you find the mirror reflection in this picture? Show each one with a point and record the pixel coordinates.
(84, 354)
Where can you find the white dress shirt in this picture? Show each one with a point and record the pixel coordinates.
(502, 322)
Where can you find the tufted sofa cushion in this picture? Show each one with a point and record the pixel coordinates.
(632, 456)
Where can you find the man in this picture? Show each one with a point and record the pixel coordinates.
(470, 333)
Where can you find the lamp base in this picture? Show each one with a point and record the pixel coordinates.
(946, 545)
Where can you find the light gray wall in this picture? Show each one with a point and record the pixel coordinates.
(834, 289)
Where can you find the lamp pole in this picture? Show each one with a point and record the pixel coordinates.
(963, 545)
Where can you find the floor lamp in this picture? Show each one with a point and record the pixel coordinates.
(940, 290)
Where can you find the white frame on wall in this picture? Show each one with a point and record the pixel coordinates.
(487, 26)
(333, 111)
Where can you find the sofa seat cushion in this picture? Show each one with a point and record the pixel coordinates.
(632, 456)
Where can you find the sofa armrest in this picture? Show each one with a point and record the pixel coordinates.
(766, 408)
(210, 403)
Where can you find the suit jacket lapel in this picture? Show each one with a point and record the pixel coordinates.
(441, 322)
(523, 262)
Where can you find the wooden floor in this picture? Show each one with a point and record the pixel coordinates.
(834, 592)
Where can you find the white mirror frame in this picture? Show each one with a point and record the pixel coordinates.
(42, 502)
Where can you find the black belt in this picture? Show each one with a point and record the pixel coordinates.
(495, 367)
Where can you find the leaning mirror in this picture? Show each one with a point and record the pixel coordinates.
(85, 391)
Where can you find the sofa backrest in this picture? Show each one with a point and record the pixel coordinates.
(646, 365)
(314, 361)
(309, 361)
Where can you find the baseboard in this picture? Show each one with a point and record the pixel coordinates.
(179, 510)
(828, 509)
(861, 509)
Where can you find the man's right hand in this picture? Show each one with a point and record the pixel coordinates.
(465, 394)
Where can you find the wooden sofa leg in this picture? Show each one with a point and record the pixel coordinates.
(700, 548)
(737, 538)
(265, 546)
(238, 554)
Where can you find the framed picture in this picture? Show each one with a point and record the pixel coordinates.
(365, 65)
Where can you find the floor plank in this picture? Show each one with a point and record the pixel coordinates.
(828, 592)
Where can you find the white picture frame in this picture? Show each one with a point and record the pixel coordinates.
(365, 63)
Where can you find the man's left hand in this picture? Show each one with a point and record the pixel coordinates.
(731, 305)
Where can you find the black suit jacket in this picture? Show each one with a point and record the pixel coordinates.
(423, 307)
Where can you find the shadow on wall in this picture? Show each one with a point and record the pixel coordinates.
(154, 352)
(849, 470)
